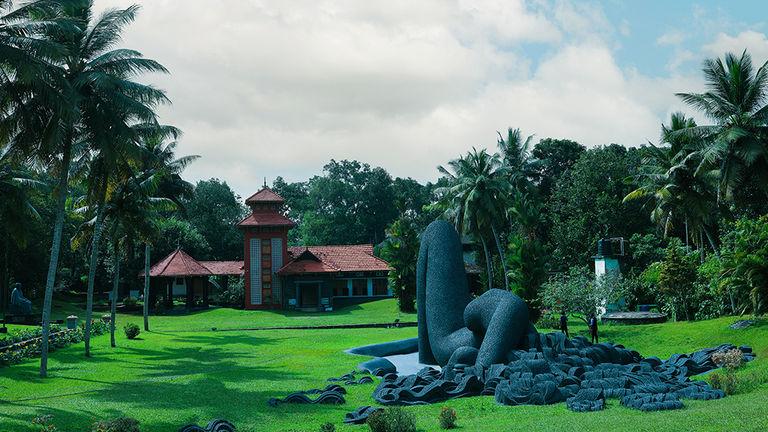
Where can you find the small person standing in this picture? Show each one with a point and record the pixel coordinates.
(593, 328)
(564, 324)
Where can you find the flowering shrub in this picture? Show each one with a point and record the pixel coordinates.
(44, 423)
(730, 360)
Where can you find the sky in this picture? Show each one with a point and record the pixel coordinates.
(263, 89)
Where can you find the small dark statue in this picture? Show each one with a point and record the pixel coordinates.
(20, 305)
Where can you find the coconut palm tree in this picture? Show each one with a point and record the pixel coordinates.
(159, 161)
(673, 184)
(474, 200)
(93, 99)
(516, 154)
(130, 214)
(735, 101)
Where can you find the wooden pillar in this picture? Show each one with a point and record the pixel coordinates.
(169, 297)
(189, 283)
(206, 284)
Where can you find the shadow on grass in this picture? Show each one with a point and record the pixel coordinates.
(170, 386)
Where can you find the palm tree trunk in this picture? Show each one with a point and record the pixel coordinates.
(146, 286)
(502, 257)
(711, 241)
(58, 227)
(488, 266)
(687, 248)
(115, 285)
(701, 245)
(5, 283)
(94, 263)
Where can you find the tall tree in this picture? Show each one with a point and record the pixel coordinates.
(159, 162)
(130, 213)
(736, 143)
(587, 205)
(215, 211)
(474, 200)
(673, 184)
(110, 102)
(555, 157)
(350, 203)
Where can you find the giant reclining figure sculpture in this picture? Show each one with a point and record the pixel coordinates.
(487, 346)
(453, 327)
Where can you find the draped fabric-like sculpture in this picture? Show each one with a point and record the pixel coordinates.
(486, 346)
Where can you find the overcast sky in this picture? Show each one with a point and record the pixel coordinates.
(277, 88)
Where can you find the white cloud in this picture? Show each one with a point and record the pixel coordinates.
(265, 88)
(754, 42)
(673, 37)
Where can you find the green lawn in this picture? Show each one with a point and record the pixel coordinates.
(183, 372)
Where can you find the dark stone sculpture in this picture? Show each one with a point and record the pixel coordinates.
(360, 415)
(452, 326)
(327, 397)
(572, 371)
(19, 305)
(487, 346)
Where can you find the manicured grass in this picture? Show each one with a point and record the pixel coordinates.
(182, 372)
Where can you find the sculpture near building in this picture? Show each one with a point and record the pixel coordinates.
(19, 305)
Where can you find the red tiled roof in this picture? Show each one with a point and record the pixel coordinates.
(177, 264)
(333, 259)
(224, 268)
(258, 219)
(266, 195)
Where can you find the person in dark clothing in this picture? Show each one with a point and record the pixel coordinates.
(564, 324)
(593, 328)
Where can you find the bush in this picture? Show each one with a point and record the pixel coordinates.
(131, 330)
(234, 295)
(28, 343)
(728, 382)
(98, 327)
(447, 418)
(120, 424)
(549, 321)
(328, 427)
(392, 419)
(130, 302)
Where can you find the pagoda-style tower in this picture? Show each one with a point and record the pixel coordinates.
(265, 233)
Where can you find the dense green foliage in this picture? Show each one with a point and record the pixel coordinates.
(214, 211)
(401, 250)
(578, 292)
(587, 205)
(745, 263)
